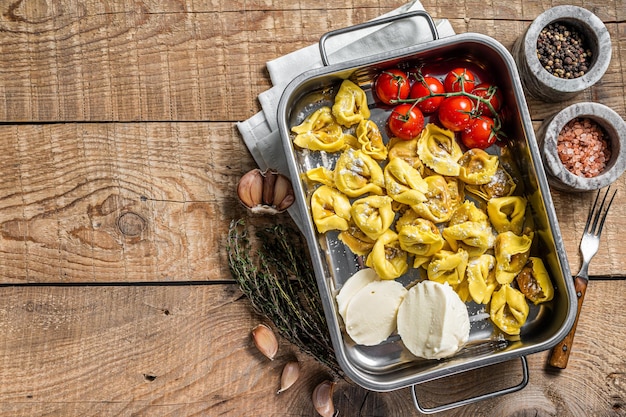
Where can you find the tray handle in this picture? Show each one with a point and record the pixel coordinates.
(375, 22)
(467, 401)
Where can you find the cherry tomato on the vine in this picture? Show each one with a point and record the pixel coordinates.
(425, 87)
(480, 133)
(406, 121)
(455, 112)
(459, 79)
(492, 94)
(392, 84)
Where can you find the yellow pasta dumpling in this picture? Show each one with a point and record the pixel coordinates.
(373, 214)
(512, 253)
(473, 237)
(481, 278)
(447, 266)
(371, 140)
(320, 132)
(508, 310)
(478, 167)
(357, 173)
(418, 236)
(406, 150)
(501, 185)
(462, 291)
(387, 257)
(322, 175)
(467, 212)
(404, 183)
(534, 281)
(439, 204)
(357, 241)
(350, 106)
(507, 213)
(330, 209)
(456, 189)
(438, 150)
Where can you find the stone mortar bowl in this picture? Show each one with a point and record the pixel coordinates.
(540, 83)
(559, 177)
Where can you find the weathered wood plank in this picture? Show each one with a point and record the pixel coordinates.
(163, 61)
(186, 350)
(117, 202)
(132, 202)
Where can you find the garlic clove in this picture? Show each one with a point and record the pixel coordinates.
(290, 375)
(265, 192)
(250, 188)
(283, 193)
(265, 341)
(269, 182)
(323, 398)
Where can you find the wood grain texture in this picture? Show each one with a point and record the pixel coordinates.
(70, 189)
(119, 158)
(117, 202)
(186, 350)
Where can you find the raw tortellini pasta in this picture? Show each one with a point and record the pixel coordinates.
(320, 132)
(373, 215)
(473, 237)
(501, 185)
(512, 253)
(481, 278)
(387, 257)
(438, 150)
(439, 204)
(448, 266)
(371, 140)
(358, 242)
(322, 175)
(467, 212)
(419, 237)
(508, 310)
(350, 106)
(477, 166)
(406, 150)
(330, 209)
(404, 183)
(507, 213)
(534, 281)
(357, 173)
(470, 230)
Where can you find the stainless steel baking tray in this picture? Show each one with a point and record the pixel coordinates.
(389, 366)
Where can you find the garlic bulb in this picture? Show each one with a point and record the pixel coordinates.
(265, 192)
(290, 375)
(323, 398)
(265, 341)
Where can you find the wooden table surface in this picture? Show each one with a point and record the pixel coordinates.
(119, 160)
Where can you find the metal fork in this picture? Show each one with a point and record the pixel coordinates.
(588, 248)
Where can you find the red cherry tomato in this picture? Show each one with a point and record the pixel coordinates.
(480, 133)
(406, 121)
(425, 88)
(459, 79)
(492, 94)
(455, 113)
(392, 85)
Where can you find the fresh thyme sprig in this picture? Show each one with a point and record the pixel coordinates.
(279, 282)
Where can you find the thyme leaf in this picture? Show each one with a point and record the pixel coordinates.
(277, 277)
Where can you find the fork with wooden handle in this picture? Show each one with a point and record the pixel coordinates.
(588, 248)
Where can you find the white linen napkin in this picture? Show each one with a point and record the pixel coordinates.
(260, 132)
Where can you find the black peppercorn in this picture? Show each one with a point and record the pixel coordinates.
(562, 51)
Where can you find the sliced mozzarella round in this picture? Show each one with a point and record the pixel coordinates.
(371, 313)
(355, 283)
(433, 321)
